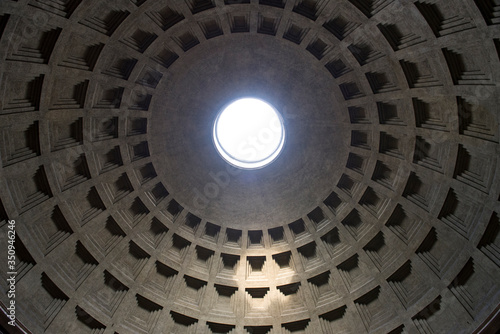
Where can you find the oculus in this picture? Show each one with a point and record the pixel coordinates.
(249, 133)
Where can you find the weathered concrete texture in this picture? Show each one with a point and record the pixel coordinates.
(182, 132)
(381, 215)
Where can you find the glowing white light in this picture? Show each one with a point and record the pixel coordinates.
(249, 133)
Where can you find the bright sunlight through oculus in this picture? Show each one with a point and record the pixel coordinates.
(249, 133)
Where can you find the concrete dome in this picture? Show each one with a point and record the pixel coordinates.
(381, 214)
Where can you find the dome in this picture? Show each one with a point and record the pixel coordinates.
(377, 210)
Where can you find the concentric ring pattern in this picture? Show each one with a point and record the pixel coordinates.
(381, 215)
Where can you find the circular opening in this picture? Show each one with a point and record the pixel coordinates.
(249, 133)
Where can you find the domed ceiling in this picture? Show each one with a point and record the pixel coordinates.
(381, 214)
